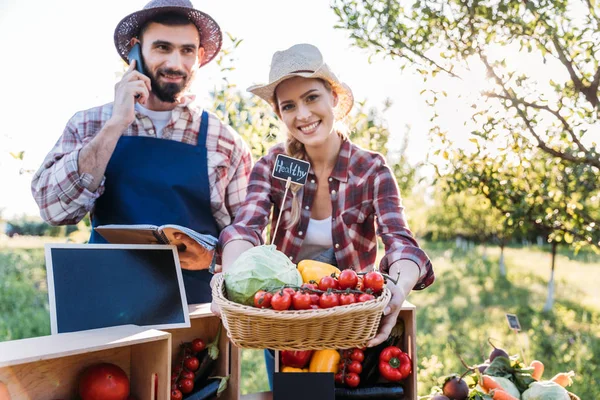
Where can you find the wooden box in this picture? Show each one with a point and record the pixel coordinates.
(408, 314)
(48, 367)
(205, 325)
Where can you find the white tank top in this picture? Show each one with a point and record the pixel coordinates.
(317, 239)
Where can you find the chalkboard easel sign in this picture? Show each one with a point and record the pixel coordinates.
(94, 286)
(513, 322)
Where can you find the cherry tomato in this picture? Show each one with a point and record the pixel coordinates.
(374, 280)
(177, 369)
(357, 355)
(348, 279)
(329, 300)
(347, 298)
(191, 363)
(327, 282)
(352, 379)
(301, 301)
(339, 378)
(187, 375)
(198, 345)
(314, 298)
(176, 394)
(365, 297)
(289, 290)
(310, 286)
(186, 385)
(355, 366)
(281, 301)
(262, 299)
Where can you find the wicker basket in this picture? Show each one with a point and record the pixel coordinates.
(341, 327)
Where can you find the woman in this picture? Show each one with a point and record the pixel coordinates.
(348, 194)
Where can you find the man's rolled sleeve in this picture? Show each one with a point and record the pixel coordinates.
(74, 189)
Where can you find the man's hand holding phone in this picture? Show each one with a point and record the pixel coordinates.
(133, 87)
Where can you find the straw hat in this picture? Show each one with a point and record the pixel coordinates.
(303, 60)
(129, 27)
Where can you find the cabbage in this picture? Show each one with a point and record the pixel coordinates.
(545, 390)
(259, 268)
(508, 386)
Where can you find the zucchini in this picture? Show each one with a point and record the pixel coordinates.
(381, 391)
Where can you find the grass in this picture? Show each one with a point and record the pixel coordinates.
(456, 315)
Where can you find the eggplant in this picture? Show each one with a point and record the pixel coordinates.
(212, 389)
(208, 359)
(380, 391)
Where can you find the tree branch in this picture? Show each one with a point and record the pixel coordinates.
(424, 57)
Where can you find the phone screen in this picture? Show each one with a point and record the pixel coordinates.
(136, 54)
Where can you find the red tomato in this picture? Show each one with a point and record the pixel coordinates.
(355, 366)
(281, 302)
(289, 290)
(177, 369)
(191, 363)
(339, 378)
(187, 375)
(301, 301)
(198, 345)
(348, 279)
(365, 297)
(310, 286)
(374, 280)
(314, 298)
(327, 282)
(357, 355)
(352, 379)
(104, 382)
(262, 299)
(347, 298)
(186, 385)
(176, 394)
(329, 300)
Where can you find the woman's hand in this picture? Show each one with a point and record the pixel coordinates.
(391, 312)
(192, 255)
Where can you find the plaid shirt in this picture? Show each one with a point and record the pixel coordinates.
(363, 191)
(62, 194)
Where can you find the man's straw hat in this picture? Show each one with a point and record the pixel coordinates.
(303, 60)
(129, 27)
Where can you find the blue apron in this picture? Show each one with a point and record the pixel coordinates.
(157, 181)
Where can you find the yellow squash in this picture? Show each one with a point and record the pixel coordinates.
(314, 270)
(292, 369)
(324, 361)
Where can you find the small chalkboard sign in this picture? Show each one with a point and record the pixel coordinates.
(292, 168)
(101, 285)
(287, 386)
(513, 322)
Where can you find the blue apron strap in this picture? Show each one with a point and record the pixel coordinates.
(203, 133)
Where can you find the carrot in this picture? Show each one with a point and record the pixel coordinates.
(499, 394)
(538, 369)
(564, 378)
(488, 383)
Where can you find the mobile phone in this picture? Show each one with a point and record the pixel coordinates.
(136, 54)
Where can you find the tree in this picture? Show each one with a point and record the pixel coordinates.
(533, 156)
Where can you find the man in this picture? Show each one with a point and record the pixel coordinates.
(152, 156)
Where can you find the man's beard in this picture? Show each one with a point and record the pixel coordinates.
(168, 92)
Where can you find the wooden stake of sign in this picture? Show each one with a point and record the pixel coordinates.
(288, 183)
(513, 323)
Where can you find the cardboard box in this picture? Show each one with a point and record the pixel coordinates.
(48, 367)
(205, 325)
(408, 314)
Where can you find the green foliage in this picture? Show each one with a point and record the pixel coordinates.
(533, 152)
(23, 294)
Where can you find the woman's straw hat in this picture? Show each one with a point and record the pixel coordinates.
(303, 60)
(129, 27)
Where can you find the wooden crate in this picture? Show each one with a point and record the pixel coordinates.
(48, 367)
(408, 314)
(204, 325)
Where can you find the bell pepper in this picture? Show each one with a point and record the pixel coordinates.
(293, 369)
(325, 361)
(296, 358)
(314, 270)
(394, 364)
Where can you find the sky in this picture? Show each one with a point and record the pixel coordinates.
(59, 58)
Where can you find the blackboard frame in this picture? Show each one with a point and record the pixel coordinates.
(303, 166)
(167, 248)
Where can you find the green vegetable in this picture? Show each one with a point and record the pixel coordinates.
(261, 267)
(545, 390)
(508, 386)
(516, 371)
